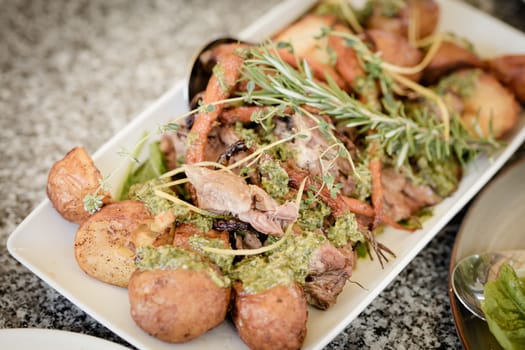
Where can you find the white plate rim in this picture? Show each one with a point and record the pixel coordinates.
(468, 188)
(52, 339)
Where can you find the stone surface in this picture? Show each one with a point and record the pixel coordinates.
(75, 72)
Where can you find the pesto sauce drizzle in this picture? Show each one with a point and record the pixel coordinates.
(258, 137)
(202, 222)
(297, 251)
(145, 193)
(168, 257)
(312, 215)
(345, 230)
(441, 177)
(249, 136)
(258, 274)
(283, 266)
(462, 84)
(223, 261)
(274, 178)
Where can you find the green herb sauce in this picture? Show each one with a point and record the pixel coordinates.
(296, 253)
(363, 185)
(184, 215)
(145, 192)
(274, 179)
(344, 230)
(168, 257)
(223, 261)
(463, 84)
(311, 215)
(248, 135)
(258, 274)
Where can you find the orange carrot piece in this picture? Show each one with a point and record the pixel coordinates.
(219, 87)
(319, 70)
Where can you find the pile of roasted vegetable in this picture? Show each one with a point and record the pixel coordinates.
(261, 200)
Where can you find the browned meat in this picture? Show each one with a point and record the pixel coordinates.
(311, 151)
(321, 291)
(448, 58)
(329, 269)
(402, 198)
(510, 69)
(326, 258)
(272, 319)
(226, 193)
(250, 240)
(219, 191)
(261, 222)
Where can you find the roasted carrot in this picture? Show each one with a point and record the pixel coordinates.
(319, 70)
(219, 87)
(347, 63)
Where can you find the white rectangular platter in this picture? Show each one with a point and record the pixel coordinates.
(44, 241)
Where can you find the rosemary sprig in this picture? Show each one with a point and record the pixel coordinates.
(399, 135)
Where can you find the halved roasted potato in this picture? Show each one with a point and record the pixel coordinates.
(104, 243)
(70, 180)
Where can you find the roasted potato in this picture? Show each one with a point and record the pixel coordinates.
(104, 244)
(303, 35)
(424, 12)
(272, 319)
(176, 305)
(448, 58)
(70, 180)
(490, 108)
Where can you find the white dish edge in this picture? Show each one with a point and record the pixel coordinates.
(479, 173)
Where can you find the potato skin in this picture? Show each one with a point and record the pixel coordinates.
(104, 246)
(272, 319)
(69, 181)
(491, 106)
(176, 305)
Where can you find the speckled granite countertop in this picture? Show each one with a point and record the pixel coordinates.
(75, 72)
